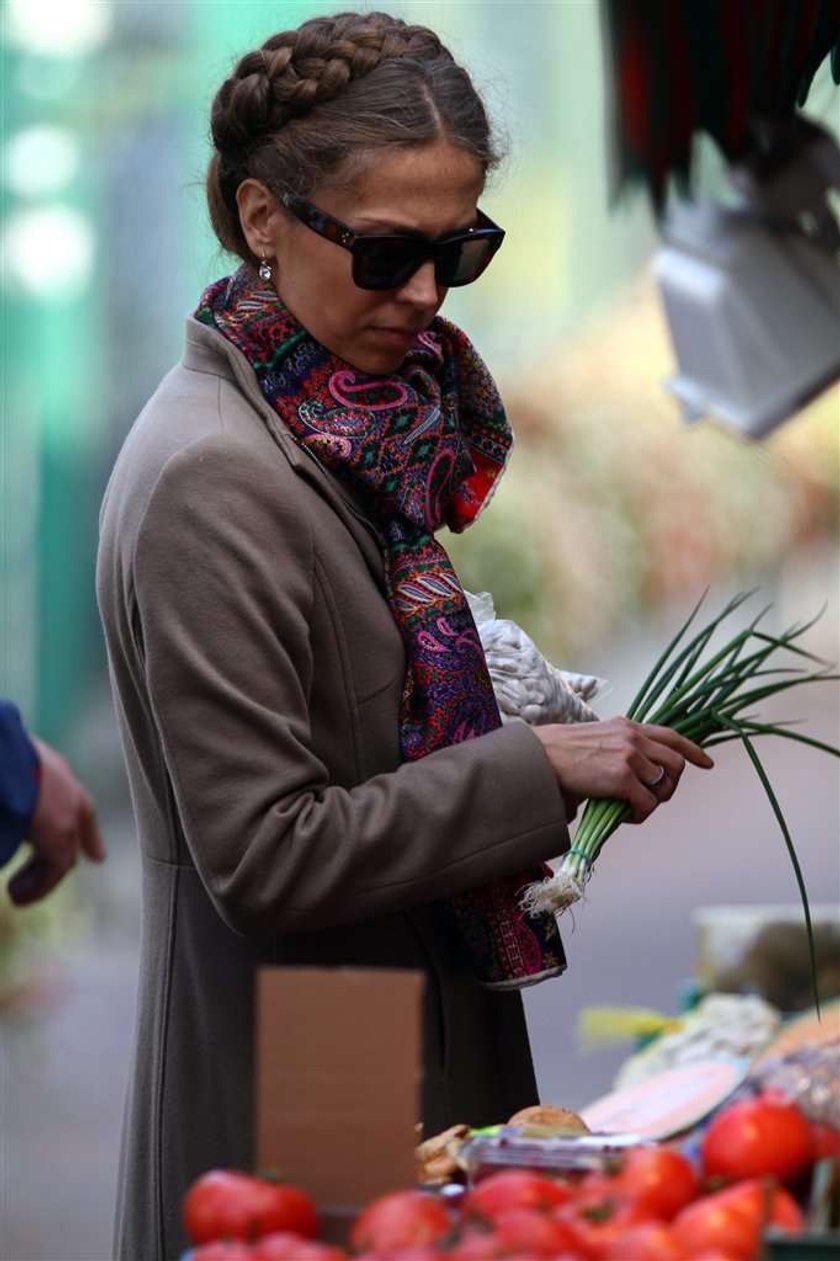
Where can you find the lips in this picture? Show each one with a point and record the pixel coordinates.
(397, 336)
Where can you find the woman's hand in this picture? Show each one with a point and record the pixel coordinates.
(634, 762)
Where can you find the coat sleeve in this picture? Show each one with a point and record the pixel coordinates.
(224, 585)
(18, 780)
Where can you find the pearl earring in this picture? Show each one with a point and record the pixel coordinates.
(265, 270)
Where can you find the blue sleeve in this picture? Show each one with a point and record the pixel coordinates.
(18, 780)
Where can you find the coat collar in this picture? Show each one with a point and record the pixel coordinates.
(207, 350)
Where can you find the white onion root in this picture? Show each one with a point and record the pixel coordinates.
(557, 892)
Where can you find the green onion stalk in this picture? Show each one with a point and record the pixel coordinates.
(706, 693)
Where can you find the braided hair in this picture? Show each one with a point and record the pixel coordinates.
(310, 106)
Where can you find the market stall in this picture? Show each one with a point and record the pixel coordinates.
(719, 1142)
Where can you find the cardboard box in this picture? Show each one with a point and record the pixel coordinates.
(338, 1080)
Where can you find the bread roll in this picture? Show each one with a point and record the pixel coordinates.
(549, 1121)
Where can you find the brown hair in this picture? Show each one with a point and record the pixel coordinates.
(309, 105)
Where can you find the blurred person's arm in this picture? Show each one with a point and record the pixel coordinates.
(42, 801)
(19, 780)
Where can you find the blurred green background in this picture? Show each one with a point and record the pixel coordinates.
(611, 506)
(612, 519)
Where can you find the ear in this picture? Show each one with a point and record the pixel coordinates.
(261, 218)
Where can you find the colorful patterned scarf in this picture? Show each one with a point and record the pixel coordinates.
(418, 449)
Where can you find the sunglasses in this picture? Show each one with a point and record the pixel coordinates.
(388, 260)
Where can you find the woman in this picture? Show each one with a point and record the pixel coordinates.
(316, 761)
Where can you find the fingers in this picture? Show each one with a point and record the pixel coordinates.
(56, 855)
(666, 787)
(645, 781)
(642, 801)
(91, 840)
(36, 879)
(660, 768)
(662, 758)
(634, 762)
(680, 744)
(63, 825)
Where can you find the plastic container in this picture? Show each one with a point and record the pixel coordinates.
(511, 1148)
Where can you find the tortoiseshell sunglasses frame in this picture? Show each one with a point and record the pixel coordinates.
(422, 248)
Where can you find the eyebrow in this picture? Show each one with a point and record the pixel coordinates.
(404, 229)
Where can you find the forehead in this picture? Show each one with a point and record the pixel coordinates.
(429, 188)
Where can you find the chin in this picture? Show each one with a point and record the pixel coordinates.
(378, 365)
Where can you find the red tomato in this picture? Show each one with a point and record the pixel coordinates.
(647, 1241)
(420, 1253)
(756, 1138)
(284, 1246)
(531, 1231)
(517, 1256)
(713, 1254)
(708, 1223)
(227, 1204)
(583, 1238)
(474, 1246)
(659, 1180)
(785, 1213)
(514, 1188)
(222, 1250)
(733, 1220)
(596, 1190)
(826, 1140)
(401, 1219)
(593, 1228)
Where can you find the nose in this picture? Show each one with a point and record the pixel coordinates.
(421, 289)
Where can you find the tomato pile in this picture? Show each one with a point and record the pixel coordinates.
(659, 1205)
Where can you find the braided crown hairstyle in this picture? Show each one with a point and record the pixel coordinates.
(309, 106)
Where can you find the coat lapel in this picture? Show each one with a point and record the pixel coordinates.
(208, 351)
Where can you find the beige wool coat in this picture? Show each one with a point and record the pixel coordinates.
(257, 670)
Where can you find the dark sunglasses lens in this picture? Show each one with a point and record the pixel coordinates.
(462, 262)
(388, 262)
(385, 262)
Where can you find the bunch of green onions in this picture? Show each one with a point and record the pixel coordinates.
(706, 695)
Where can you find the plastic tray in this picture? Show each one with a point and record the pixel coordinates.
(513, 1148)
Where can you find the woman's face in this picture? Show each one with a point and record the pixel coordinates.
(432, 189)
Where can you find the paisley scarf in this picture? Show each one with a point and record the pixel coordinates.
(420, 448)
